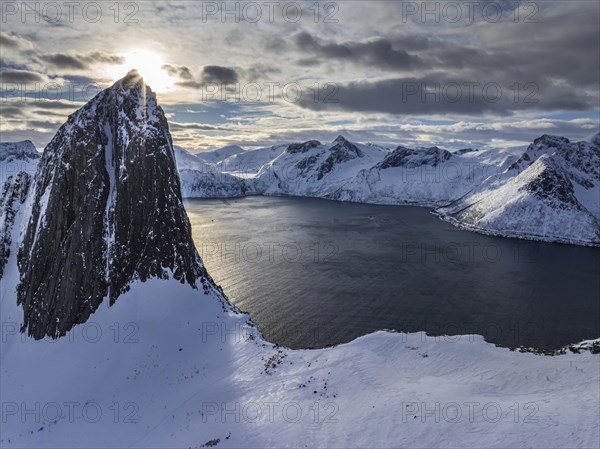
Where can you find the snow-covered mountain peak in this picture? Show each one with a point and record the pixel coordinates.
(24, 150)
(340, 139)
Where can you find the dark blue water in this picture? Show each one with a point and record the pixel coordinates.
(313, 273)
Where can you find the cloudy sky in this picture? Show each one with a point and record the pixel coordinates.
(454, 74)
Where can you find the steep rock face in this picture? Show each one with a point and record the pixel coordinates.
(12, 196)
(107, 210)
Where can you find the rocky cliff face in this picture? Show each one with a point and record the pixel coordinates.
(106, 211)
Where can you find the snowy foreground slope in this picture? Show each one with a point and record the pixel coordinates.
(549, 191)
(169, 366)
(160, 359)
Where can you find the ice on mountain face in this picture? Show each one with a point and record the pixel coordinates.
(107, 210)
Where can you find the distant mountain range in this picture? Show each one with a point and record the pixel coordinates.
(549, 191)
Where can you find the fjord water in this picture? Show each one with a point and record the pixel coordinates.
(314, 273)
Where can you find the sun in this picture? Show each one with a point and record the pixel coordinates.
(149, 64)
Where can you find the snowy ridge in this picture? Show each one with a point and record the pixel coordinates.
(216, 156)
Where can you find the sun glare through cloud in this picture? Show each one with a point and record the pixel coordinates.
(149, 64)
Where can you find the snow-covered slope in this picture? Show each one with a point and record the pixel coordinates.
(199, 179)
(169, 366)
(251, 161)
(216, 156)
(16, 157)
(552, 193)
(425, 176)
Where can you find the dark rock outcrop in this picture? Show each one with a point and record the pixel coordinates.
(410, 158)
(107, 210)
(302, 147)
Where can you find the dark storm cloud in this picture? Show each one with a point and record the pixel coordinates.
(380, 52)
(179, 71)
(196, 126)
(8, 112)
(219, 75)
(440, 94)
(80, 61)
(64, 61)
(20, 76)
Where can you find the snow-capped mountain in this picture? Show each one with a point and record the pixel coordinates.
(220, 154)
(104, 209)
(250, 162)
(315, 169)
(17, 157)
(199, 179)
(552, 192)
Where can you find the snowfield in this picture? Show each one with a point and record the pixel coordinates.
(169, 366)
